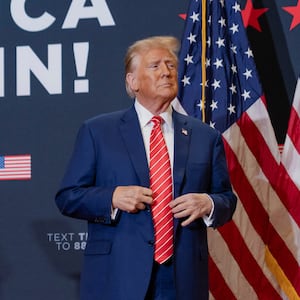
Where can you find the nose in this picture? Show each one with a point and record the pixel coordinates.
(165, 69)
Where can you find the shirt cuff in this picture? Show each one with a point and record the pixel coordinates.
(113, 213)
(208, 219)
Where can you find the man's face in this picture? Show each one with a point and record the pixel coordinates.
(155, 77)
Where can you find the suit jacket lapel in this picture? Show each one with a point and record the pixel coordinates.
(182, 135)
(133, 139)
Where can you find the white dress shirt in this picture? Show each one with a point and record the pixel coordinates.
(146, 125)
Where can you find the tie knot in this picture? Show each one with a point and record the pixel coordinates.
(157, 120)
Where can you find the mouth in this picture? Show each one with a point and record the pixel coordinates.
(166, 84)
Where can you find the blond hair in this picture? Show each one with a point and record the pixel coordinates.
(169, 43)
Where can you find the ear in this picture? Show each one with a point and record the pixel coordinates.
(132, 81)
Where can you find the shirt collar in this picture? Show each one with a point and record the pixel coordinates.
(145, 115)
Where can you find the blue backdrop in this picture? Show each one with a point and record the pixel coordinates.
(61, 62)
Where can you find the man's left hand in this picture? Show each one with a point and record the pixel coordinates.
(191, 206)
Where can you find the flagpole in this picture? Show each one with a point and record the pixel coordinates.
(203, 58)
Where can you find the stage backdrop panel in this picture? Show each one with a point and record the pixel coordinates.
(61, 62)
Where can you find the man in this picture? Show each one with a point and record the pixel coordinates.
(111, 183)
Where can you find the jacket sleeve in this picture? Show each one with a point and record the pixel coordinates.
(221, 190)
(78, 196)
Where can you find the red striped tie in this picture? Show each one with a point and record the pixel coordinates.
(161, 185)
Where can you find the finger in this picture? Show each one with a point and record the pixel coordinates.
(187, 221)
(182, 214)
(146, 196)
(179, 200)
(140, 206)
(146, 199)
(179, 207)
(132, 211)
(146, 192)
(177, 210)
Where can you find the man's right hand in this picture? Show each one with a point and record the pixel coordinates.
(131, 198)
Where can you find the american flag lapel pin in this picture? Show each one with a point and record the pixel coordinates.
(184, 131)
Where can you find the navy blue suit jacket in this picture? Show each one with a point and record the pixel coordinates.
(109, 152)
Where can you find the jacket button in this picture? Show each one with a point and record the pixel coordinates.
(151, 243)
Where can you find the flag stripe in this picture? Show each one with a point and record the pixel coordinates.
(291, 162)
(260, 117)
(294, 122)
(288, 191)
(219, 282)
(294, 129)
(230, 268)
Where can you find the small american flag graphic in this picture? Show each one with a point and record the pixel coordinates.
(15, 167)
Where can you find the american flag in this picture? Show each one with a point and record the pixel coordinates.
(15, 167)
(290, 163)
(256, 255)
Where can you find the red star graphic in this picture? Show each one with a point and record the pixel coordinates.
(182, 16)
(295, 12)
(250, 15)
